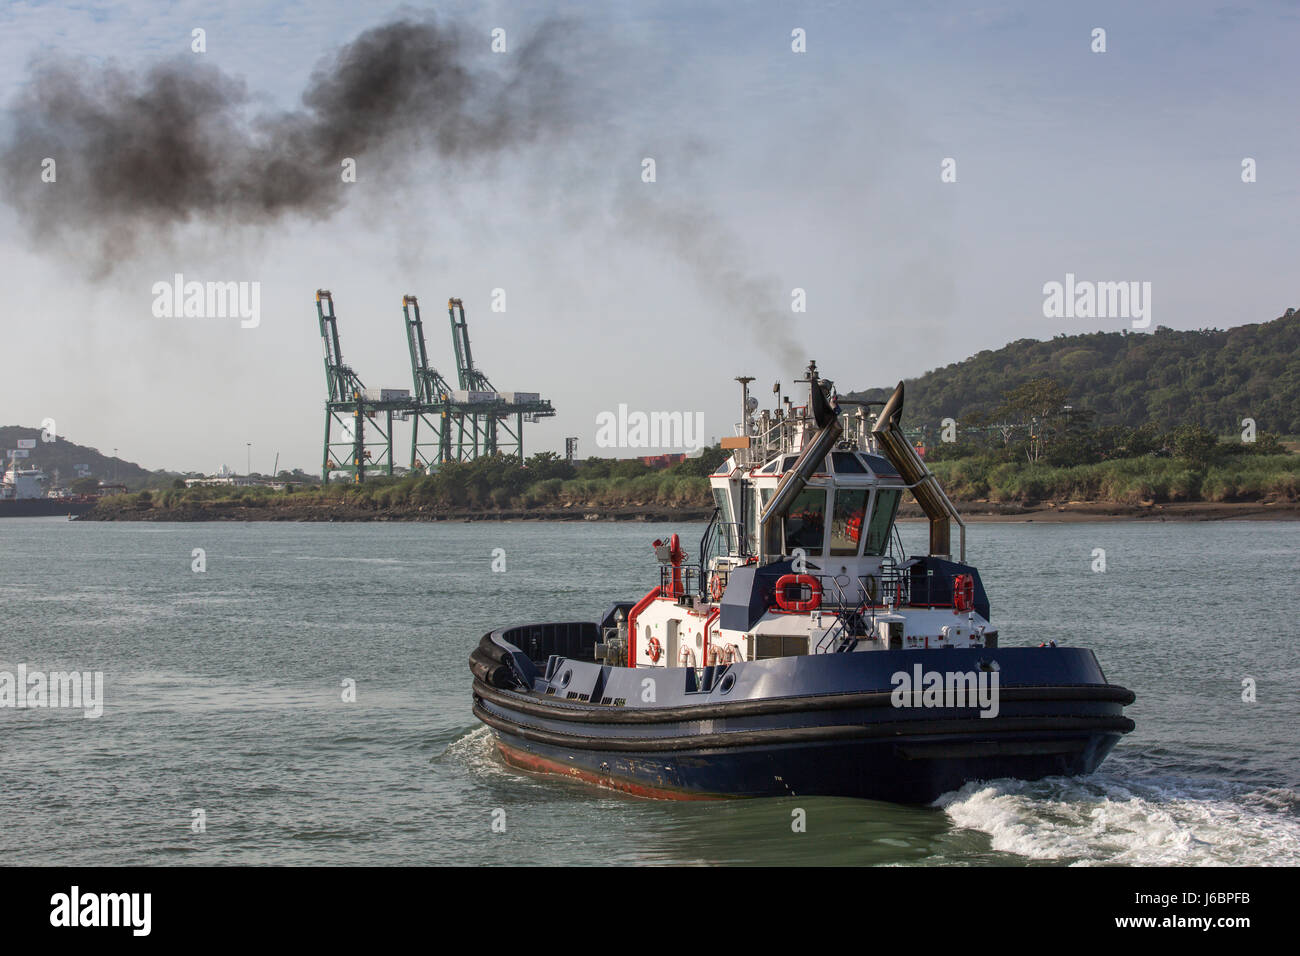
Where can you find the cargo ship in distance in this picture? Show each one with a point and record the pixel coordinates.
(800, 651)
(23, 495)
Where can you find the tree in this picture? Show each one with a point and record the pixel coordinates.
(85, 486)
(1266, 443)
(1040, 404)
(1193, 444)
(706, 464)
(596, 467)
(547, 464)
(628, 468)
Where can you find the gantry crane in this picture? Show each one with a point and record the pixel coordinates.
(447, 424)
(471, 379)
(433, 400)
(490, 412)
(364, 441)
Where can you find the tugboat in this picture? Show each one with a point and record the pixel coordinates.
(801, 652)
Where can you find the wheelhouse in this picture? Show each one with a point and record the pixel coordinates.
(845, 510)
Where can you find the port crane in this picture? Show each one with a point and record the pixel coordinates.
(493, 422)
(447, 423)
(358, 420)
(434, 408)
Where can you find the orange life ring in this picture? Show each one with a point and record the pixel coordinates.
(963, 593)
(787, 581)
(715, 587)
(654, 650)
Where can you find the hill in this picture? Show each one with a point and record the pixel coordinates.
(1212, 378)
(65, 455)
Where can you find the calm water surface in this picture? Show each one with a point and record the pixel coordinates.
(223, 692)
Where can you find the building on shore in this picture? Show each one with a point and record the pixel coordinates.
(662, 461)
(227, 478)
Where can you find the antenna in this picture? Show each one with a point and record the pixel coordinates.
(745, 408)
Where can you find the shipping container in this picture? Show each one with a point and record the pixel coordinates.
(385, 394)
(521, 398)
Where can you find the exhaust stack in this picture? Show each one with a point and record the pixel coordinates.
(924, 485)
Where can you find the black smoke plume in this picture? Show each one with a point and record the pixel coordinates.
(140, 154)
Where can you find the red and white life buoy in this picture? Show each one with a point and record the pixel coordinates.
(654, 650)
(963, 593)
(715, 587)
(788, 582)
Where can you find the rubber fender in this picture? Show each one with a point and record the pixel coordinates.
(491, 650)
(481, 654)
(492, 673)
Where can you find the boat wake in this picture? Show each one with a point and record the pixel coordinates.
(1112, 817)
(476, 751)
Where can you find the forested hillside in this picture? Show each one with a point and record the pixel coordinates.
(1211, 378)
(63, 455)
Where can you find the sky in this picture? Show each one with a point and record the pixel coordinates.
(775, 170)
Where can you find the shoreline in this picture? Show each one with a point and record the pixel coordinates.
(1089, 511)
(971, 511)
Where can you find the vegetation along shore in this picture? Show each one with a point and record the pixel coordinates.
(1083, 427)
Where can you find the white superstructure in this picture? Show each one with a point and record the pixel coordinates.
(22, 483)
(801, 556)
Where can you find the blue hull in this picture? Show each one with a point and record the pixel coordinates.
(872, 770)
(812, 725)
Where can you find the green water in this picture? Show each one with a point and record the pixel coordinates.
(223, 692)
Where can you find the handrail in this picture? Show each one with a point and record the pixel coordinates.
(709, 530)
(690, 577)
(895, 591)
(838, 635)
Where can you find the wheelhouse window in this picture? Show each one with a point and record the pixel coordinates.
(761, 496)
(847, 463)
(751, 520)
(882, 519)
(723, 502)
(846, 522)
(881, 466)
(805, 522)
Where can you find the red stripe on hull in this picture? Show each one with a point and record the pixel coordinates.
(522, 760)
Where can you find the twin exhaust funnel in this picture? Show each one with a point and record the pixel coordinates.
(889, 437)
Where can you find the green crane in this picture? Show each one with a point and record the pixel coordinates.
(496, 418)
(471, 379)
(434, 408)
(352, 410)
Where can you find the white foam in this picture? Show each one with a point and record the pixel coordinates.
(1152, 821)
(477, 752)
